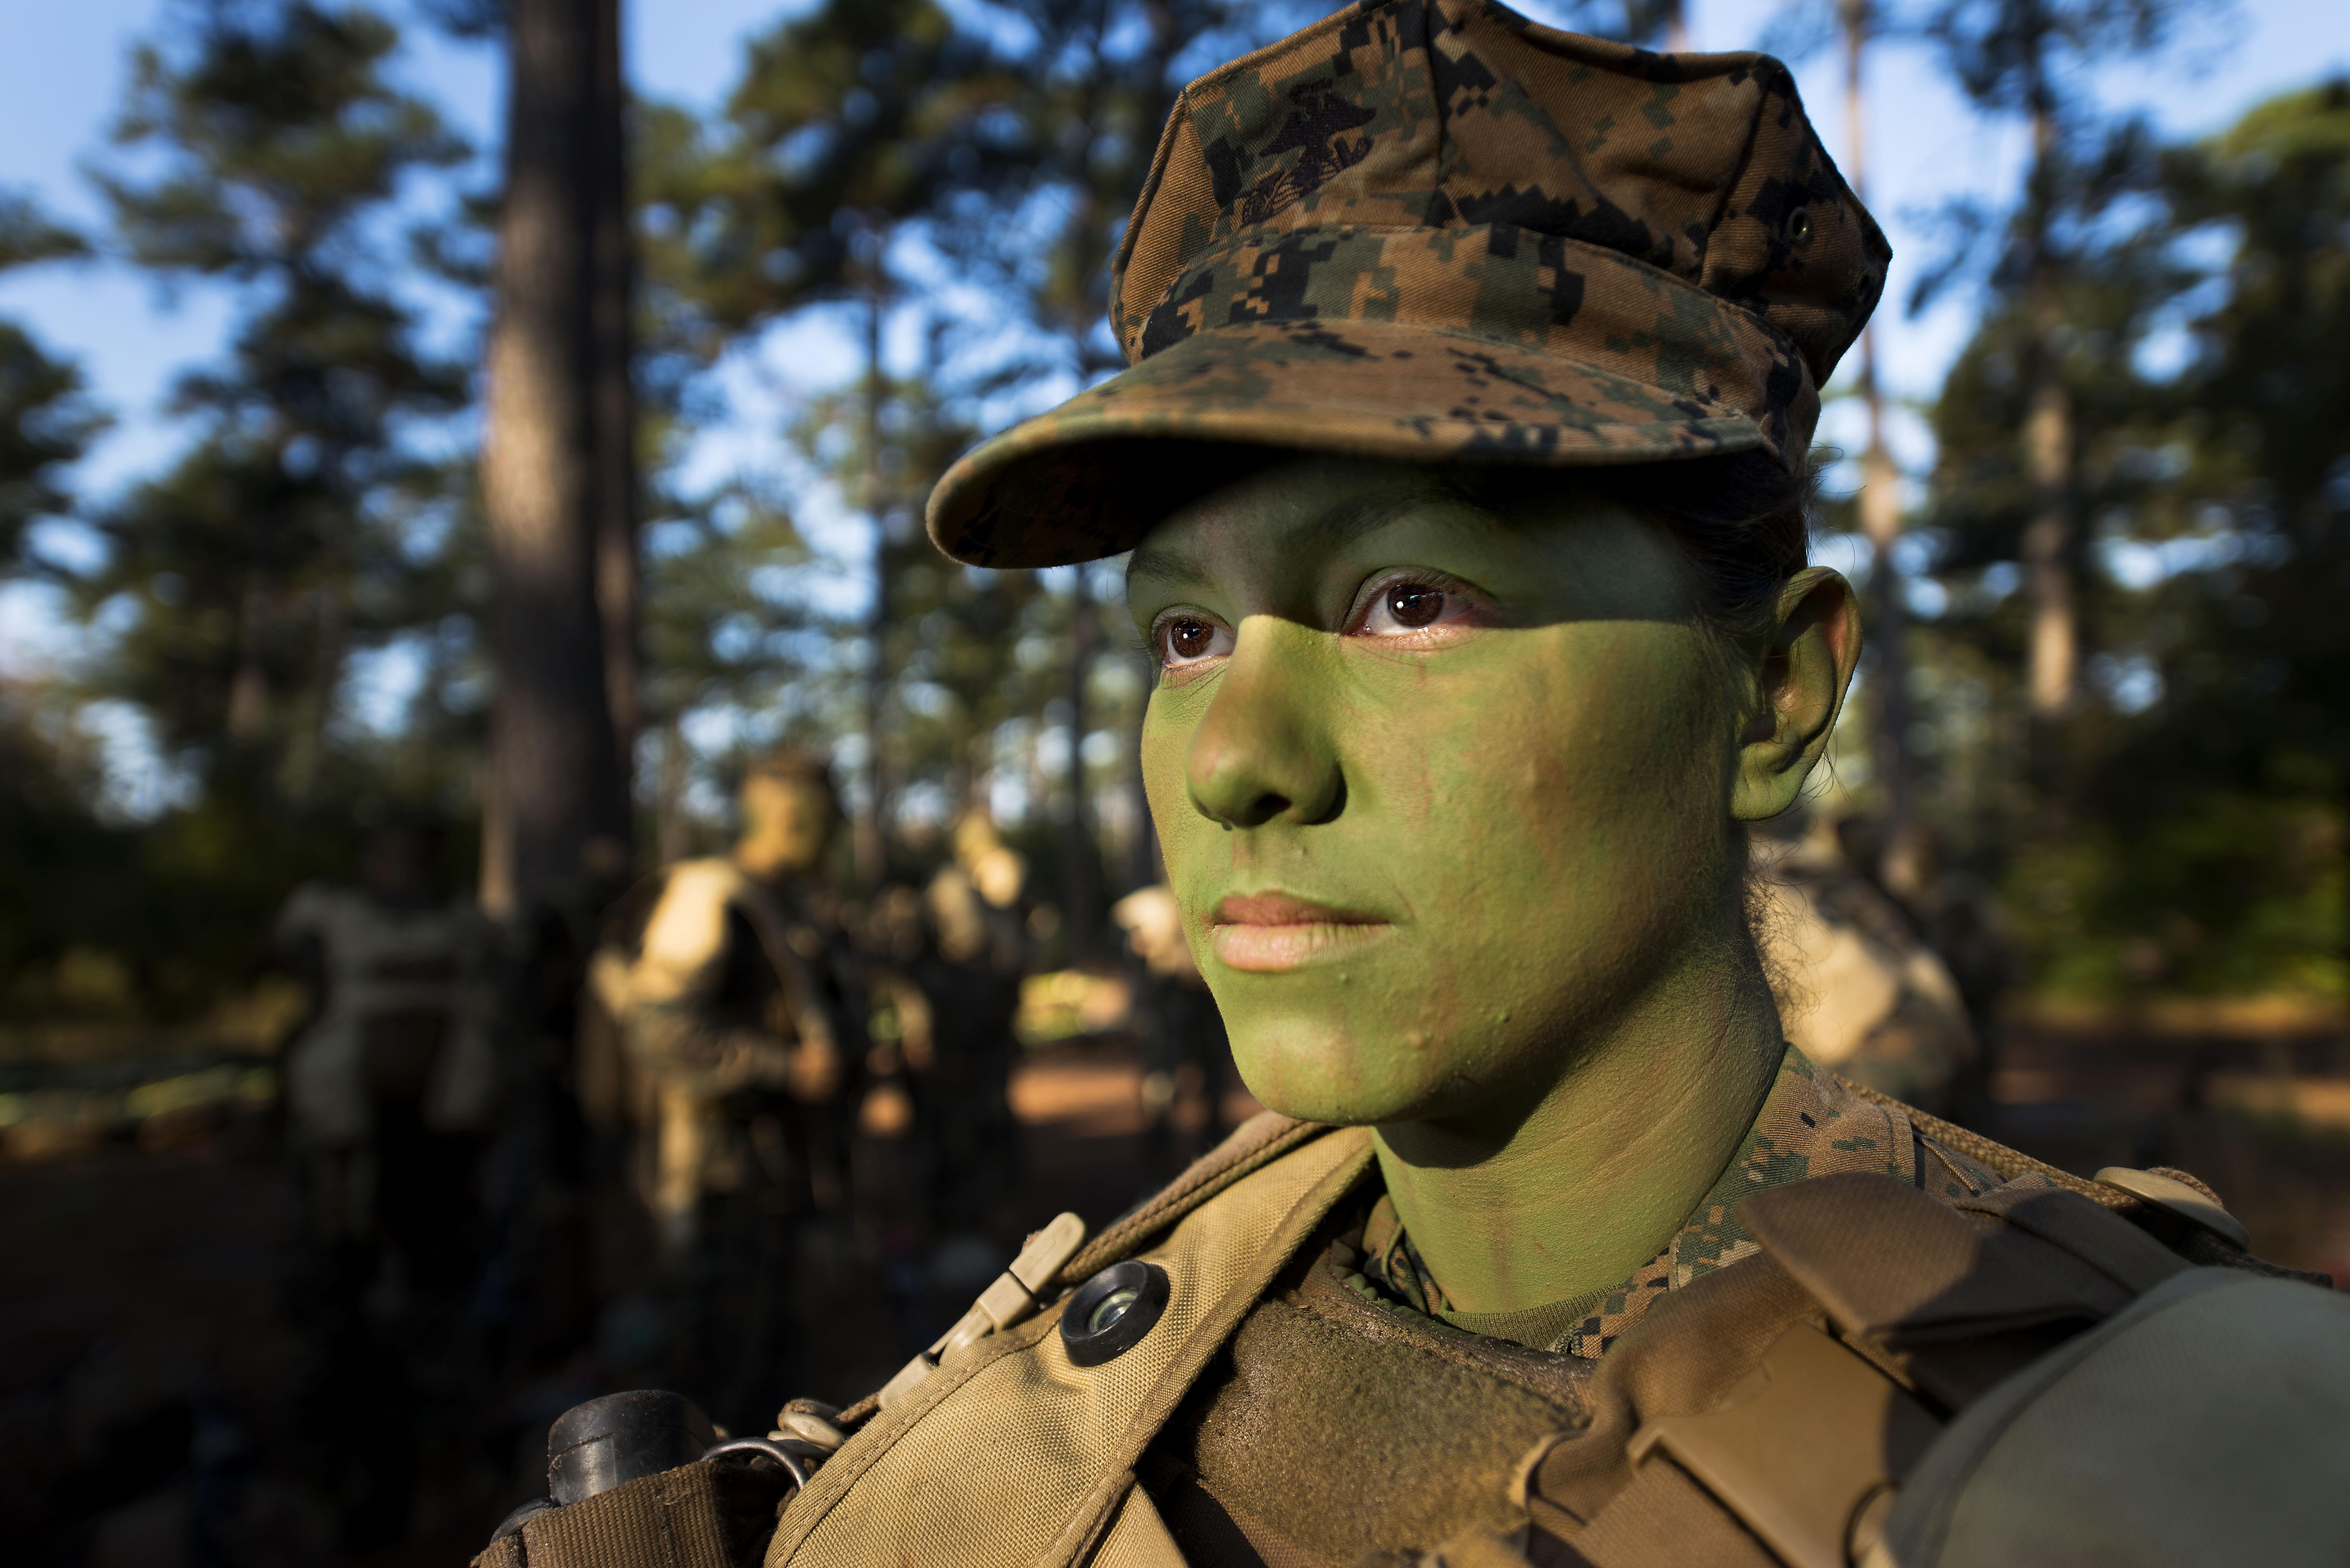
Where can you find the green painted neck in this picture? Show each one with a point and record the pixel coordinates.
(1649, 1108)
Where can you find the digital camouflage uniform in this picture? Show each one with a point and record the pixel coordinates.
(1430, 229)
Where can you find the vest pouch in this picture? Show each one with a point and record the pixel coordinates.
(1775, 1412)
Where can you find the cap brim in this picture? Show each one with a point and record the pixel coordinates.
(1067, 485)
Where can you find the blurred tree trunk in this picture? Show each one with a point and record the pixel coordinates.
(871, 845)
(248, 687)
(306, 751)
(554, 781)
(2048, 537)
(615, 415)
(1901, 866)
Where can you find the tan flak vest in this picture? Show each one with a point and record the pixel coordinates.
(1894, 1381)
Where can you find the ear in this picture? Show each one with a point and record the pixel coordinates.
(1799, 682)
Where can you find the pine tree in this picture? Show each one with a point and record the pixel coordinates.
(2026, 58)
(849, 123)
(257, 562)
(558, 483)
(45, 422)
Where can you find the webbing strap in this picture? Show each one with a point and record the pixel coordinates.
(1665, 1519)
(711, 1514)
(1255, 1144)
(1997, 1158)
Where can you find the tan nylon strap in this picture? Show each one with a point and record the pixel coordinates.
(1011, 1454)
(504, 1553)
(698, 1516)
(1308, 1211)
(1136, 1537)
(1255, 1144)
(1665, 1519)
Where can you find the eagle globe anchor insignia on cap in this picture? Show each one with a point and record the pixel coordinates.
(1432, 230)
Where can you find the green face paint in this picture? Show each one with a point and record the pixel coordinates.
(1446, 800)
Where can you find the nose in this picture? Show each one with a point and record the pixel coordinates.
(1262, 752)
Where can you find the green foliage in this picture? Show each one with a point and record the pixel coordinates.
(58, 861)
(2273, 378)
(2205, 850)
(283, 540)
(720, 626)
(852, 118)
(278, 133)
(264, 148)
(2218, 893)
(46, 422)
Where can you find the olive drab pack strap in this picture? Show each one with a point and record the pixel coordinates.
(1020, 1446)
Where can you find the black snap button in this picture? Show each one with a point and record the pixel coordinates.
(1111, 1312)
(1799, 225)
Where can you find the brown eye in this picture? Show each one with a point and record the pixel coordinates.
(1188, 639)
(1415, 605)
(1404, 605)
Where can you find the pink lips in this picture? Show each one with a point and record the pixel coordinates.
(1269, 933)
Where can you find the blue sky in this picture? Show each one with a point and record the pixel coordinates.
(62, 66)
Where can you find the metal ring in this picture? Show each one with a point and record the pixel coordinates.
(763, 1448)
(522, 1515)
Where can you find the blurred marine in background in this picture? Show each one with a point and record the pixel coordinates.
(977, 955)
(1858, 989)
(1187, 1061)
(392, 1081)
(391, 1090)
(733, 1019)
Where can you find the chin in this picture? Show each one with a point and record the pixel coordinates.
(1315, 1071)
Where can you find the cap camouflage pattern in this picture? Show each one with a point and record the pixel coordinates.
(1434, 230)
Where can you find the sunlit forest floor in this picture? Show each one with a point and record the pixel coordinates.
(148, 1369)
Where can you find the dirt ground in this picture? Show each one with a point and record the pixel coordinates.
(158, 1400)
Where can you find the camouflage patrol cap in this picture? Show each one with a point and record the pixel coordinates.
(1434, 230)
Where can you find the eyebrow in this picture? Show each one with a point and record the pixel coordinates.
(1167, 561)
(1338, 526)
